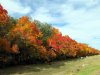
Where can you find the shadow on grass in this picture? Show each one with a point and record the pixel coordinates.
(35, 68)
(20, 69)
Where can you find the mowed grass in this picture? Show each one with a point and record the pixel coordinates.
(81, 66)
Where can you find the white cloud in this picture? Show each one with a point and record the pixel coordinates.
(43, 14)
(15, 7)
(84, 25)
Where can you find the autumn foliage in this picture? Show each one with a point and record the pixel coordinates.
(25, 41)
(3, 15)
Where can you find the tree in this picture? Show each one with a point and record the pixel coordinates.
(27, 36)
(4, 20)
(46, 30)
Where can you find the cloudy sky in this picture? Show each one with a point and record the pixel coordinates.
(80, 19)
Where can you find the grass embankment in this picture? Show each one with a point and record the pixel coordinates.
(83, 66)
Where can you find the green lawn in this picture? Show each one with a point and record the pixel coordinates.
(85, 66)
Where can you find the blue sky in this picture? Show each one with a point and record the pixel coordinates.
(80, 19)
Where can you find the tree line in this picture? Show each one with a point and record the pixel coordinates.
(23, 41)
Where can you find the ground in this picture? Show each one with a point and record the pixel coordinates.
(82, 66)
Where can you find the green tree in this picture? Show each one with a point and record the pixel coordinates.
(46, 30)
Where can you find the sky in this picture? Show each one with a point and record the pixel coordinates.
(80, 19)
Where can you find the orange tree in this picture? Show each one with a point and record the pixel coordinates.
(85, 50)
(28, 38)
(56, 43)
(5, 48)
(4, 20)
(64, 46)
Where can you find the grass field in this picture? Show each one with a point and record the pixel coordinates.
(83, 66)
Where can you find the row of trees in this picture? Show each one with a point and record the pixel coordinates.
(24, 41)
